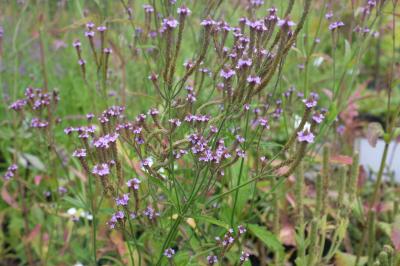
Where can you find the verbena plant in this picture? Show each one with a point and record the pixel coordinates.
(207, 135)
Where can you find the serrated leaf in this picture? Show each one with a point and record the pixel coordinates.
(268, 238)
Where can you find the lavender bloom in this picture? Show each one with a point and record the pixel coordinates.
(227, 73)
(256, 3)
(175, 122)
(241, 229)
(153, 112)
(89, 116)
(133, 183)
(311, 101)
(107, 50)
(146, 162)
(140, 118)
(18, 105)
(243, 63)
(76, 44)
(329, 15)
(101, 169)
(170, 23)
(335, 25)
(239, 139)
(169, 253)
(118, 216)
(254, 80)
(11, 170)
(37, 123)
(90, 25)
(62, 190)
(241, 153)
(123, 201)
(285, 23)
(81, 62)
(89, 34)
(150, 213)
(340, 129)
(212, 259)
(79, 153)
(68, 130)
(148, 8)
(184, 11)
(305, 136)
(318, 118)
(102, 28)
(207, 23)
(244, 257)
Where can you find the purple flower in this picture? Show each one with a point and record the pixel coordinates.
(310, 102)
(318, 117)
(335, 25)
(285, 23)
(68, 130)
(62, 190)
(18, 105)
(241, 153)
(227, 73)
(107, 50)
(244, 257)
(239, 139)
(329, 15)
(148, 8)
(170, 23)
(254, 80)
(150, 213)
(37, 123)
(264, 123)
(140, 118)
(122, 201)
(175, 122)
(119, 215)
(76, 44)
(101, 169)
(89, 34)
(184, 11)
(79, 153)
(10, 173)
(102, 28)
(340, 129)
(212, 259)
(146, 162)
(207, 22)
(241, 229)
(90, 116)
(243, 63)
(305, 136)
(256, 2)
(133, 183)
(81, 62)
(153, 112)
(90, 25)
(169, 253)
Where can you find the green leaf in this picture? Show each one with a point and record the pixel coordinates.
(268, 238)
(344, 259)
(212, 220)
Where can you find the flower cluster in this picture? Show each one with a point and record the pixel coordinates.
(11, 171)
